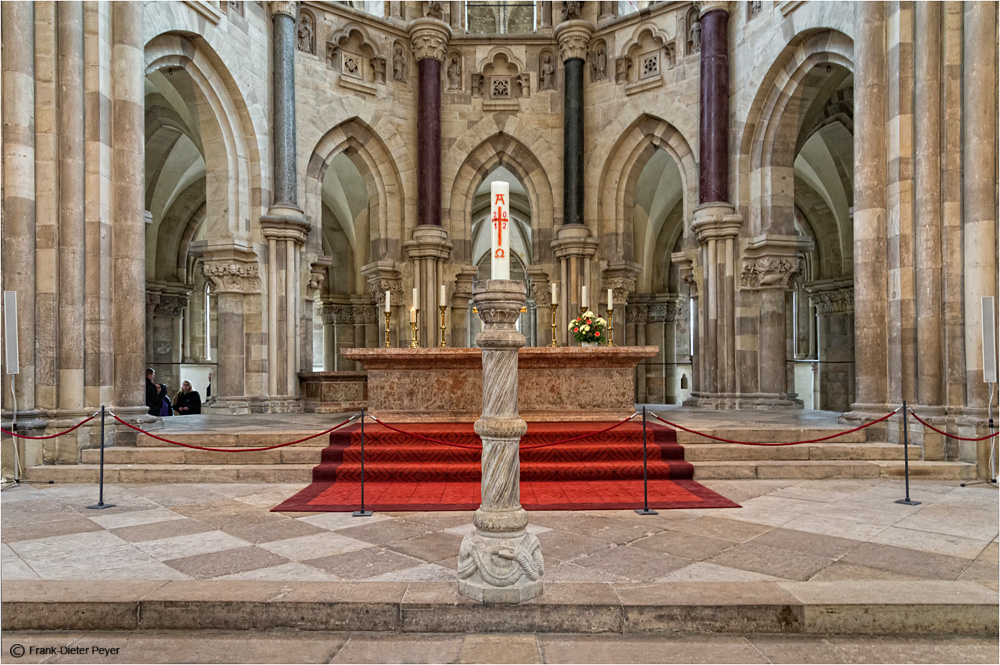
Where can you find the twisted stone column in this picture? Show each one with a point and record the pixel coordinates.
(501, 562)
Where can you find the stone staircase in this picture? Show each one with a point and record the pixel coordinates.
(152, 461)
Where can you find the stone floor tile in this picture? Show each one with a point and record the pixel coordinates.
(425, 572)
(363, 564)
(830, 547)
(885, 513)
(631, 563)
(907, 561)
(431, 548)
(686, 545)
(37, 529)
(989, 553)
(500, 649)
(380, 533)
(13, 567)
(336, 521)
(443, 520)
(838, 571)
(135, 518)
(405, 648)
(811, 494)
(642, 649)
(702, 571)
(852, 529)
(227, 562)
(773, 510)
(271, 530)
(786, 564)
(567, 546)
(722, 529)
(565, 572)
(980, 571)
(864, 649)
(924, 541)
(154, 570)
(160, 530)
(954, 521)
(316, 546)
(168, 496)
(79, 555)
(286, 572)
(177, 547)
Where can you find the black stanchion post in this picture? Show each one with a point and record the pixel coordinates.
(906, 460)
(362, 512)
(645, 510)
(100, 499)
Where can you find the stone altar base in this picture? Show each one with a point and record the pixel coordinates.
(554, 384)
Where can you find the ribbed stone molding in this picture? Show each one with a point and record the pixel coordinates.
(429, 38)
(501, 562)
(286, 8)
(573, 38)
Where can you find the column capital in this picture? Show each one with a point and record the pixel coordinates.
(712, 6)
(686, 261)
(383, 276)
(620, 276)
(832, 295)
(772, 261)
(574, 240)
(429, 242)
(230, 267)
(429, 38)
(463, 284)
(285, 8)
(281, 226)
(715, 221)
(574, 38)
(317, 275)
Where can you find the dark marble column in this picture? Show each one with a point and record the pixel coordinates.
(429, 142)
(713, 166)
(283, 91)
(573, 143)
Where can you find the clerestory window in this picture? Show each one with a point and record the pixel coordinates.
(500, 17)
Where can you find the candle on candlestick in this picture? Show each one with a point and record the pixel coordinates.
(442, 295)
(414, 301)
(554, 292)
(583, 297)
(388, 307)
(413, 315)
(500, 244)
(611, 303)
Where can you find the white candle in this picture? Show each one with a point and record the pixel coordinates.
(387, 301)
(554, 299)
(500, 244)
(442, 303)
(583, 297)
(414, 300)
(413, 315)
(611, 302)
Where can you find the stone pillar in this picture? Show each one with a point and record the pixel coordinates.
(165, 303)
(870, 228)
(235, 275)
(429, 39)
(834, 301)
(128, 219)
(317, 275)
(979, 185)
(573, 37)
(428, 251)
(713, 163)
(18, 100)
(927, 135)
(72, 223)
(572, 246)
(541, 292)
(545, 15)
(285, 234)
(500, 562)
(460, 309)
(383, 276)
(283, 16)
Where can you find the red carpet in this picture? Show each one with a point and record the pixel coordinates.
(599, 472)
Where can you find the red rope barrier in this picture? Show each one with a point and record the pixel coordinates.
(953, 436)
(231, 450)
(37, 438)
(792, 443)
(540, 445)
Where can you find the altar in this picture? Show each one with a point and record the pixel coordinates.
(554, 384)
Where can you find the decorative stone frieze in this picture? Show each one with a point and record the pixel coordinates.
(574, 38)
(832, 296)
(341, 314)
(429, 38)
(620, 278)
(637, 313)
(767, 271)
(232, 276)
(383, 276)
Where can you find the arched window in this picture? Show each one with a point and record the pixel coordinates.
(500, 17)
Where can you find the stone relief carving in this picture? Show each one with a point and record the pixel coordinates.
(152, 300)
(829, 302)
(378, 286)
(694, 36)
(769, 271)
(599, 62)
(547, 73)
(231, 276)
(500, 87)
(170, 305)
(501, 562)
(622, 67)
(753, 8)
(571, 11)
(435, 10)
(235, 6)
(649, 64)
(477, 85)
(671, 51)
(454, 72)
(378, 68)
(637, 314)
(350, 314)
(620, 287)
(398, 63)
(307, 33)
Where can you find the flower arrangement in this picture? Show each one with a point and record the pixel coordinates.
(589, 328)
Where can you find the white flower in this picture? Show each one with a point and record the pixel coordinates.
(585, 329)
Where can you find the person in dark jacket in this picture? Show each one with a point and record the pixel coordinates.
(153, 401)
(187, 402)
(166, 409)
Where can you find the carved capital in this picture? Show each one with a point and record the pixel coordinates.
(287, 8)
(429, 38)
(232, 276)
(832, 296)
(620, 278)
(769, 272)
(637, 313)
(712, 6)
(382, 276)
(463, 282)
(573, 38)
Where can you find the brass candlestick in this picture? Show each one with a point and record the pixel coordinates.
(443, 330)
(388, 315)
(413, 330)
(555, 306)
(611, 327)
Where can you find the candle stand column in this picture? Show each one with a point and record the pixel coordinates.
(500, 562)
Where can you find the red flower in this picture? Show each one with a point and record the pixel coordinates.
(597, 334)
(588, 321)
(576, 330)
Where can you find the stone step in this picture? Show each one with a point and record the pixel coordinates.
(870, 607)
(764, 434)
(235, 439)
(302, 473)
(722, 452)
(830, 469)
(180, 455)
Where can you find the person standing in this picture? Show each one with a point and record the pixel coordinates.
(152, 394)
(187, 402)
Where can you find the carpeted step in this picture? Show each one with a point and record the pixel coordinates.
(418, 472)
(380, 452)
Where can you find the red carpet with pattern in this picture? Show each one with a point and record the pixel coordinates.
(598, 472)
